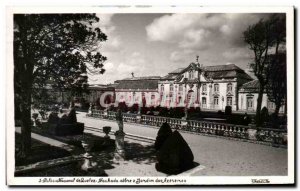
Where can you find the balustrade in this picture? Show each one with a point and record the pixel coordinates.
(276, 136)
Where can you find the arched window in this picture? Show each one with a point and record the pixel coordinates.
(180, 88)
(229, 87)
(153, 100)
(204, 102)
(204, 87)
(171, 87)
(216, 87)
(190, 96)
(191, 74)
(249, 103)
(144, 101)
(162, 88)
(216, 100)
(179, 99)
(229, 101)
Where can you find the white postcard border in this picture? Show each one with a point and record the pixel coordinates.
(201, 180)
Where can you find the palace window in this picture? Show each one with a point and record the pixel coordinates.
(203, 100)
(271, 105)
(180, 88)
(179, 99)
(216, 101)
(189, 96)
(216, 87)
(171, 97)
(191, 74)
(204, 87)
(171, 89)
(152, 100)
(229, 101)
(229, 87)
(162, 88)
(249, 102)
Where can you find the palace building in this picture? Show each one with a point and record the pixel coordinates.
(207, 87)
(248, 95)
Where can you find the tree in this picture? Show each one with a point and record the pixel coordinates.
(264, 38)
(56, 50)
(277, 86)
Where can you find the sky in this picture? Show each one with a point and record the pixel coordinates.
(155, 44)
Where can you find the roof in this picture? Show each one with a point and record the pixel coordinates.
(252, 85)
(225, 71)
(101, 86)
(177, 71)
(170, 76)
(221, 68)
(141, 84)
(138, 83)
(213, 72)
(141, 78)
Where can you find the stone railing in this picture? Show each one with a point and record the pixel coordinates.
(264, 135)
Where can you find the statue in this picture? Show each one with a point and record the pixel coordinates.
(90, 109)
(120, 151)
(119, 118)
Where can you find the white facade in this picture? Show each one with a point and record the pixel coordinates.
(137, 97)
(248, 102)
(210, 88)
(190, 87)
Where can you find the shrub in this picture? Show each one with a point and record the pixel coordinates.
(175, 155)
(164, 112)
(123, 106)
(144, 110)
(157, 108)
(197, 110)
(134, 108)
(178, 112)
(172, 112)
(191, 110)
(264, 115)
(112, 108)
(228, 110)
(163, 133)
(220, 112)
(275, 122)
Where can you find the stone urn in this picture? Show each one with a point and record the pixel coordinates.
(35, 116)
(184, 124)
(106, 130)
(284, 138)
(252, 134)
(90, 109)
(87, 162)
(252, 130)
(139, 118)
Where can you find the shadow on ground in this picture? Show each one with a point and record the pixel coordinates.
(102, 153)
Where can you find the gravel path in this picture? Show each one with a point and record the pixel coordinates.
(220, 157)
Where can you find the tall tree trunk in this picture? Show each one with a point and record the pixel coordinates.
(259, 104)
(26, 125)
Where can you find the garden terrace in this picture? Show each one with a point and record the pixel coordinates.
(268, 136)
